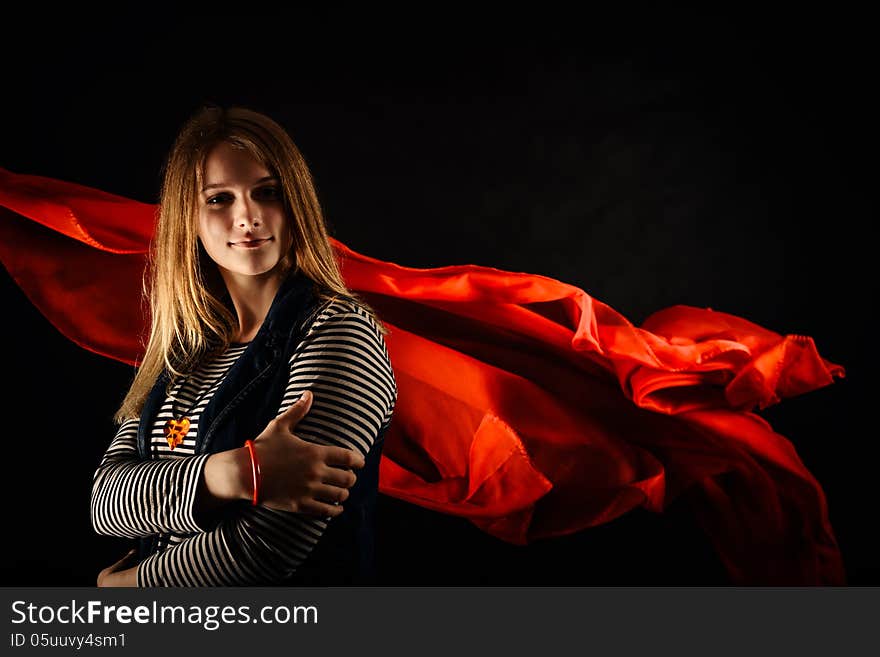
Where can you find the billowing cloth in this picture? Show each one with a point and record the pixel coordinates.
(525, 405)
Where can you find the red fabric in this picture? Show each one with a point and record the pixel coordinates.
(525, 405)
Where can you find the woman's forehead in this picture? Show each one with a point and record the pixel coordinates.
(229, 164)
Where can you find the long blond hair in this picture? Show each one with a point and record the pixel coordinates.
(182, 286)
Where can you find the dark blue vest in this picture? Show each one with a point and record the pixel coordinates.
(246, 401)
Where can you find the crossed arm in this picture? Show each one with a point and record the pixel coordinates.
(345, 364)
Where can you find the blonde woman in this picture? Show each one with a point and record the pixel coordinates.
(249, 441)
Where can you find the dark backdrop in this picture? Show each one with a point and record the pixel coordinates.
(720, 161)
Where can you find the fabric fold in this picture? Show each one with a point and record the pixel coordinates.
(525, 405)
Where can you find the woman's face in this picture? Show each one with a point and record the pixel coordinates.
(242, 223)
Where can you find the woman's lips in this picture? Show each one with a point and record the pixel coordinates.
(254, 244)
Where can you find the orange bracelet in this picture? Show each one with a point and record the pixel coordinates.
(255, 470)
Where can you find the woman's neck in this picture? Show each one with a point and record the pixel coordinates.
(252, 297)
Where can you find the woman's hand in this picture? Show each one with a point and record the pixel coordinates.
(301, 476)
(121, 573)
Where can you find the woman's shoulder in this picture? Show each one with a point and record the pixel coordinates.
(341, 311)
(345, 333)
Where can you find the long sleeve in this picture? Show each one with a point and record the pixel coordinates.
(344, 362)
(132, 497)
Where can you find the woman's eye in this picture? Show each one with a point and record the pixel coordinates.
(219, 197)
(271, 192)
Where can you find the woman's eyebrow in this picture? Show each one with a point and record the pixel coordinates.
(261, 180)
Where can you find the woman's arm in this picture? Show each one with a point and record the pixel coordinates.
(345, 364)
(297, 475)
(132, 497)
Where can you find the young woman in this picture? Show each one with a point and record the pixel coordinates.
(528, 406)
(249, 442)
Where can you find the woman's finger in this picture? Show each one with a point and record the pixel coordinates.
(119, 565)
(320, 509)
(342, 457)
(330, 494)
(296, 412)
(339, 478)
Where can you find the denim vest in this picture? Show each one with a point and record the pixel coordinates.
(246, 401)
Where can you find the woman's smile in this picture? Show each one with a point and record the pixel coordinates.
(254, 244)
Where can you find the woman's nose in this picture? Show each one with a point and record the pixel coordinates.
(247, 214)
(248, 218)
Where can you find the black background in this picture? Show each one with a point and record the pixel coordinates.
(650, 159)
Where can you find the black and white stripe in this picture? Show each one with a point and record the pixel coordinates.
(344, 362)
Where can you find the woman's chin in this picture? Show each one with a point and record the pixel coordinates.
(255, 269)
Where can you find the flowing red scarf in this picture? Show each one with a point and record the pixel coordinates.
(525, 405)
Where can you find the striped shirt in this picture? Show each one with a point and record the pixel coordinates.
(344, 361)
